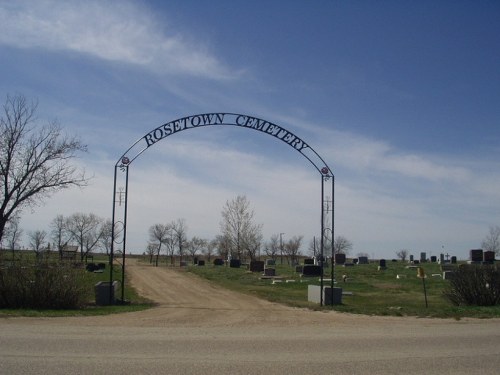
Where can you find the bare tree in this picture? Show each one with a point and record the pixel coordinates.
(210, 246)
(492, 240)
(342, 245)
(253, 242)
(272, 247)
(59, 233)
(86, 230)
(237, 224)
(34, 160)
(292, 248)
(37, 241)
(402, 254)
(195, 246)
(151, 250)
(106, 235)
(223, 245)
(171, 243)
(158, 234)
(179, 228)
(13, 234)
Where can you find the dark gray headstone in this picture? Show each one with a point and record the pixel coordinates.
(311, 270)
(257, 266)
(363, 260)
(269, 272)
(235, 263)
(489, 256)
(340, 258)
(218, 262)
(476, 255)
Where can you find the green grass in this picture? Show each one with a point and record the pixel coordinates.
(374, 292)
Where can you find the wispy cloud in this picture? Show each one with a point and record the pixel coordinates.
(114, 31)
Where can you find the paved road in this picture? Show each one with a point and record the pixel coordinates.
(234, 334)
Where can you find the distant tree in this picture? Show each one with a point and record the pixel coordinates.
(223, 245)
(253, 242)
(106, 234)
(402, 254)
(59, 234)
(210, 246)
(342, 245)
(179, 227)
(272, 248)
(195, 246)
(37, 240)
(85, 230)
(150, 251)
(492, 240)
(158, 234)
(171, 243)
(34, 160)
(237, 225)
(292, 248)
(13, 234)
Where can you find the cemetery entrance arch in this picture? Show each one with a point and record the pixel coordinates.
(122, 167)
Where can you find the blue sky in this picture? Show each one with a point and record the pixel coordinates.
(400, 98)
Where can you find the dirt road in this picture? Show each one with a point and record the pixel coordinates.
(198, 328)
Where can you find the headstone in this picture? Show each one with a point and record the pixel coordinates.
(257, 266)
(489, 256)
(382, 264)
(453, 260)
(476, 255)
(311, 270)
(308, 261)
(235, 263)
(298, 269)
(411, 258)
(433, 259)
(423, 257)
(441, 258)
(362, 260)
(340, 258)
(218, 262)
(269, 272)
(355, 260)
(270, 262)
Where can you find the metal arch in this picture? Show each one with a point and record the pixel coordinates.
(120, 197)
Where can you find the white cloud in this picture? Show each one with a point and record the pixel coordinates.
(115, 31)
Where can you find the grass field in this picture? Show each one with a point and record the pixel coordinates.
(374, 292)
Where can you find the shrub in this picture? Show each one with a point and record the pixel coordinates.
(42, 285)
(474, 286)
